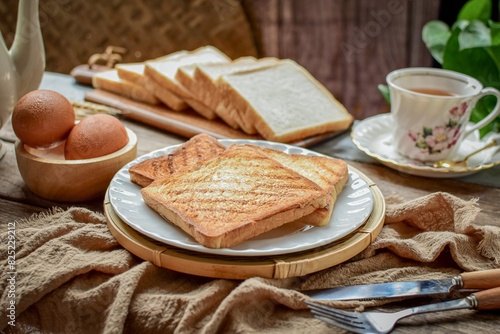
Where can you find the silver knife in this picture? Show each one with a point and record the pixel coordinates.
(481, 280)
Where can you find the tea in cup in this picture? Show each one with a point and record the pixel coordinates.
(431, 109)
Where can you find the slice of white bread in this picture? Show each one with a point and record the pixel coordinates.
(164, 74)
(329, 173)
(234, 197)
(110, 81)
(166, 96)
(186, 74)
(201, 80)
(284, 102)
(185, 157)
(134, 72)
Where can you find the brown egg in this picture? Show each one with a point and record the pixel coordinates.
(95, 136)
(43, 118)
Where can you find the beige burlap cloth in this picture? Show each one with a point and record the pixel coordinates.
(73, 277)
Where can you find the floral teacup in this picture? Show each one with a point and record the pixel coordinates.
(431, 109)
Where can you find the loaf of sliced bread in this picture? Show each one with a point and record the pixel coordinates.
(329, 173)
(283, 102)
(233, 197)
(110, 81)
(187, 156)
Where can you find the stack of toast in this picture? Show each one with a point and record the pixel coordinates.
(275, 98)
(222, 195)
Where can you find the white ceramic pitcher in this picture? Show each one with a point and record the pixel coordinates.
(21, 67)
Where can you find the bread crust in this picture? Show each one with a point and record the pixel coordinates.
(133, 72)
(164, 94)
(200, 108)
(110, 81)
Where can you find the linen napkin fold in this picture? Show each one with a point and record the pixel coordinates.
(72, 276)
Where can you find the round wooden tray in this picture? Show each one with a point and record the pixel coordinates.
(232, 267)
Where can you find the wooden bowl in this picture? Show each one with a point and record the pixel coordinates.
(48, 175)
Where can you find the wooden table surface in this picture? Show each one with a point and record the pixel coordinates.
(17, 202)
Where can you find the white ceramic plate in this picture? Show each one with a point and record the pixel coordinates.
(373, 136)
(352, 209)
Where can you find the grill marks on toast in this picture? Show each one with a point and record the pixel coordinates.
(187, 156)
(242, 184)
(329, 173)
(237, 195)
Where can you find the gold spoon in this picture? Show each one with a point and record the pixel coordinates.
(462, 163)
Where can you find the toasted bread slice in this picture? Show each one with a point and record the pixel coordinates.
(234, 197)
(185, 157)
(329, 173)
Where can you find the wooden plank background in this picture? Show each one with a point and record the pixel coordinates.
(348, 45)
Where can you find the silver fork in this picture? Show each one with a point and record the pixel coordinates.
(383, 322)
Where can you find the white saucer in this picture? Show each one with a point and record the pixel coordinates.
(373, 136)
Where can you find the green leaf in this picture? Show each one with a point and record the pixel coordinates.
(385, 93)
(483, 107)
(476, 62)
(476, 10)
(462, 24)
(494, 53)
(495, 33)
(435, 35)
(470, 46)
(480, 63)
(476, 34)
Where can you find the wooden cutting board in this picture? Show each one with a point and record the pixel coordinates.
(186, 123)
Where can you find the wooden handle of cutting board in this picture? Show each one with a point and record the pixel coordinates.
(83, 73)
